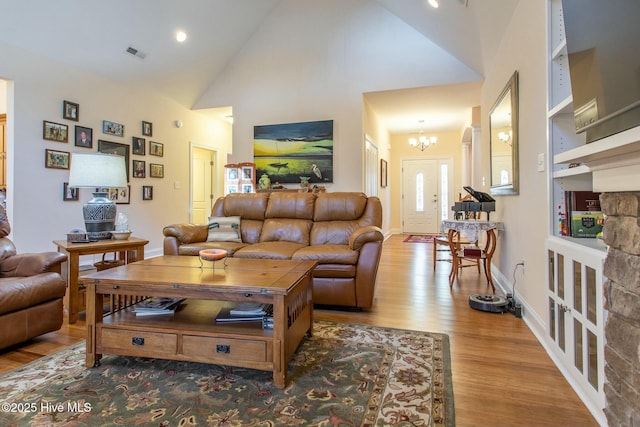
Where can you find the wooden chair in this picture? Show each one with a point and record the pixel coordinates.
(474, 253)
(444, 241)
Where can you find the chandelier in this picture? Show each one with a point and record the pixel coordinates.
(422, 141)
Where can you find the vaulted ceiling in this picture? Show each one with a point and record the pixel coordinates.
(94, 35)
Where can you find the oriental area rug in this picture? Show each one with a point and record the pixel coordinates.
(344, 375)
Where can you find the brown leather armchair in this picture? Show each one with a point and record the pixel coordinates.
(31, 290)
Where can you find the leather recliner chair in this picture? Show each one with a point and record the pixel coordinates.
(31, 290)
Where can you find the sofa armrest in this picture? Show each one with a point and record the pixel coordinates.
(363, 235)
(187, 233)
(25, 265)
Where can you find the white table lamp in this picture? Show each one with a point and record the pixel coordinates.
(96, 170)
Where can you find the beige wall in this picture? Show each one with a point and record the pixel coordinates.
(34, 199)
(525, 216)
(448, 146)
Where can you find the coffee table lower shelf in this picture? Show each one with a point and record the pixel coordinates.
(190, 334)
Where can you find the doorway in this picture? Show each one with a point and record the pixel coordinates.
(426, 186)
(202, 173)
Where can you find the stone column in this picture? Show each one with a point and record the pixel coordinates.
(622, 301)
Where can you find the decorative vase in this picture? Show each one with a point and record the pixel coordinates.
(264, 183)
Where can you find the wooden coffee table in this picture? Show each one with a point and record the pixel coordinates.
(192, 333)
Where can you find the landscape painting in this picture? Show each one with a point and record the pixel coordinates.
(290, 152)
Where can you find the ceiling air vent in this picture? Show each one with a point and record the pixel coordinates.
(135, 52)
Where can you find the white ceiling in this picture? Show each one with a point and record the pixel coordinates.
(95, 34)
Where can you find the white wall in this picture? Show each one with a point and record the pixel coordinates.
(311, 76)
(37, 88)
(525, 216)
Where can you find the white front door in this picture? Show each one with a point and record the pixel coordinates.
(420, 195)
(202, 163)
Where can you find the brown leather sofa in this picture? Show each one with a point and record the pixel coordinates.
(31, 291)
(341, 231)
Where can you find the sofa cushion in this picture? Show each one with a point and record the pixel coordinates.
(194, 249)
(247, 206)
(339, 206)
(224, 229)
(286, 230)
(290, 205)
(269, 250)
(327, 254)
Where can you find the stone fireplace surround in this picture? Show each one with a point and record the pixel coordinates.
(622, 304)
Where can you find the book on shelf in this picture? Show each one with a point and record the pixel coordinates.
(250, 309)
(232, 314)
(154, 306)
(583, 215)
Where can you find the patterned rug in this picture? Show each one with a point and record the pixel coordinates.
(345, 375)
(420, 238)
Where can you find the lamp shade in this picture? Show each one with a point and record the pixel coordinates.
(97, 170)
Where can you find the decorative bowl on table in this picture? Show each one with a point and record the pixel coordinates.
(120, 235)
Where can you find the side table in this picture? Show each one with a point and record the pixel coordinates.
(75, 250)
(471, 229)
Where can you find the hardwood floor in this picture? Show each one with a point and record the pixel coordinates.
(501, 374)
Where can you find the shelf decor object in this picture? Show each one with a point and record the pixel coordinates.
(98, 171)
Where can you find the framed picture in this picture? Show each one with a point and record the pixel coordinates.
(55, 131)
(84, 137)
(69, 193)
(156, 149)
(147, 192)
(147, 128)
(247, 188)
(109, 147)
(137, 146)
(232, 174)
(287, 151)
(232, 188)
(139, 169)
(383, 173)
(119, 195)
(156, 170)
(112, 128)
(70, 111)
(247, 173)
(55, 159)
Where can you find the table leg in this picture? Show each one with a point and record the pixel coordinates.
(454, 256)
(73, 270)
(279, 333)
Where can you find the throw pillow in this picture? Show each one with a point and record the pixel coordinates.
(224, 229)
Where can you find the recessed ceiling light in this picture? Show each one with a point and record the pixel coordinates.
(181, 36)
(434, 3)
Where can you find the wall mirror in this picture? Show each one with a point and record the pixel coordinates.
(503, 131)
